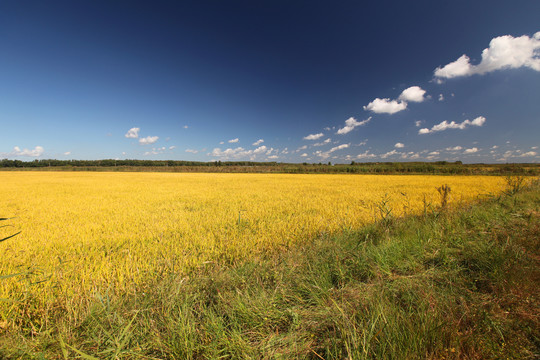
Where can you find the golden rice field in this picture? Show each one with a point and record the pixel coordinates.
(86, 232)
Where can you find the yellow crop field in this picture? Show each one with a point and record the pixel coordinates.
(85, 232)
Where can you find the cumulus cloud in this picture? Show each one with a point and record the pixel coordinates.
(413, 94)
(148, 140)
(35, 152)
(504, 52)
(133, 133)
(304, 155)
(399, 145)
(314, 136)
(172, 147)
(192, 151)
(240, 152)
(339, 147)
(445, 125)
(326, 154)
(155, 151)
(516, 154)
(441, 97)
(418, 123)
(67, 153)
(385, 106)
(455, 148)
(471, 150)
(258, 142)
(350, 124)
(365, 155)
(390, 153)
(260, 150)
(232, 141)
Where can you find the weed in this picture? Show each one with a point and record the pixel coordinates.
(514, 184)
(384, 210)
(444, 192)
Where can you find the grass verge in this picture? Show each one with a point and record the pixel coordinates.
(450, 284)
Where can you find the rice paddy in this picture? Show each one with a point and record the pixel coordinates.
(84, 233)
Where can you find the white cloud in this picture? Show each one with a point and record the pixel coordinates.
(399, 145)
(155, 151)
(36, 152)
(418, 123)
(460, 67)
(186, 127)
(326, 154)
(132, 133)
(172, 147)
(314, 136)
(258, 142)
(385, 106)
(412, 94)
(273, 157)
(517, 154)
(445, 125)
(441, 97)
(434, 153)
(340, 147)
(232, 141)
(192, 151)
(455, 148)
(350, 124)
(304, 155)
(390, 153)
(471, 150)
(240, 152)
(148, 140)
(365, 155)
(504, 52)
(260, 150)
(67, 153)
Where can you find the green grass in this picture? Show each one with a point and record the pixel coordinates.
(459, 283)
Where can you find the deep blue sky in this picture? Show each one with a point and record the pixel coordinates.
(194, 76)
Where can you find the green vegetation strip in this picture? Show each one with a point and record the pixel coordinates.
(435, 167)
(446, 285)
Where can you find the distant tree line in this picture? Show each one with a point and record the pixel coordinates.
(437, 167)
(38, 163)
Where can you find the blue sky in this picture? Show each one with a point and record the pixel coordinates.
(297, 81)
